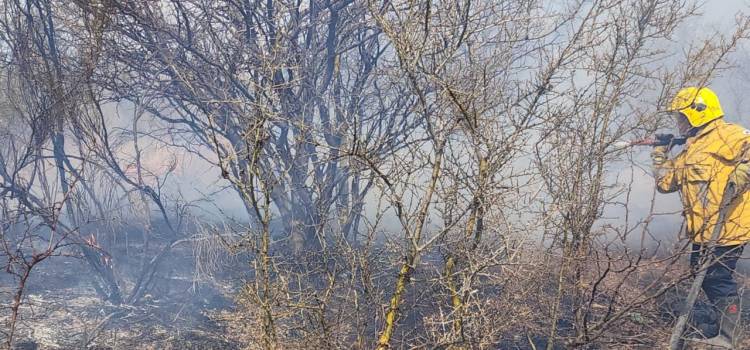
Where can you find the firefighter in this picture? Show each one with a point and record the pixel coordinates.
(716, 153)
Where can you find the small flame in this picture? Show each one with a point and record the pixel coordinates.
(91, 240)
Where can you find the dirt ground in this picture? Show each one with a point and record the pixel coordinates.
(62, 311)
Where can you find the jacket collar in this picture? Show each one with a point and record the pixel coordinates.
(706, 129)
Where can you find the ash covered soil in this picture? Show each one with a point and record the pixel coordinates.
(186, 310)
(182, 311)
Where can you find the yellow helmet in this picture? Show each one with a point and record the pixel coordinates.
(698, 105)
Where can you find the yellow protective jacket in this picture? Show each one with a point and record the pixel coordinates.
(700, 172)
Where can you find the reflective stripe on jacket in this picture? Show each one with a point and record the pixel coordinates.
(700, 172)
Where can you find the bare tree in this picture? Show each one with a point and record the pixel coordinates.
(276, 95)
(411, 174)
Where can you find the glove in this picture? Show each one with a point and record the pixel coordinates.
(740, 177)
(659, 156)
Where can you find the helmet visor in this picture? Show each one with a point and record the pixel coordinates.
(682, 123)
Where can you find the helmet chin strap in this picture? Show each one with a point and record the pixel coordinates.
(692, 131)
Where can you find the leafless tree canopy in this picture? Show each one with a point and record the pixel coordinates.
(340, 173)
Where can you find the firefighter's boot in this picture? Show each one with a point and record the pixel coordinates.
(729, 324)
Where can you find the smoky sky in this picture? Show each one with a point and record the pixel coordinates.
(197, 180)
(731, 84)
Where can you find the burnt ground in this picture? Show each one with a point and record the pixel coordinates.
(63, 311)
(185, 311)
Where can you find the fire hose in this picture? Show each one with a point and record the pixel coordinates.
(656, 140)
